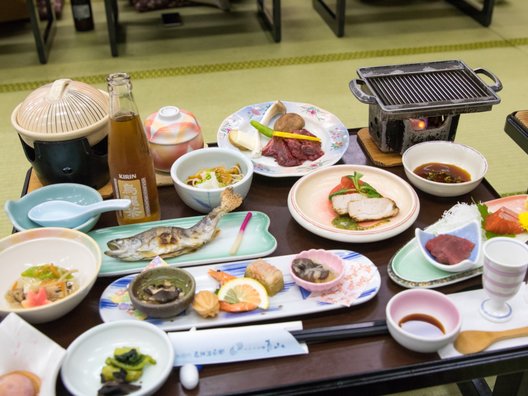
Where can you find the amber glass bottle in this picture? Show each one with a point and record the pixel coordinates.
(129, 161)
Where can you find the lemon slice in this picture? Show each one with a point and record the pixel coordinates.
(244, 290)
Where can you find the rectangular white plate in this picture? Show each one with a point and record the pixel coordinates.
(291, 301)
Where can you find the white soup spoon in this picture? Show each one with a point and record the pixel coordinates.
(67, 214)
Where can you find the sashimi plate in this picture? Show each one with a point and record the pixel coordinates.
(291, 301)
(323, 124)
(257, 242)
(410, 269)
(309, 204)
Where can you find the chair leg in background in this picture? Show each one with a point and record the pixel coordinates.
(271, 20)
(335, 20)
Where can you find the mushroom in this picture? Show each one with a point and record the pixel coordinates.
(289, 122)
(276, 108)
(161, 293)
(306, 269)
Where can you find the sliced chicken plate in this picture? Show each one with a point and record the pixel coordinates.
(340, 202)
(372, 209)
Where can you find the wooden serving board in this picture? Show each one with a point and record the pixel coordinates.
(523, 117)
(162, 179)
(378, 157)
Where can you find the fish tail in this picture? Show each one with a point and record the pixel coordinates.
(230, 200)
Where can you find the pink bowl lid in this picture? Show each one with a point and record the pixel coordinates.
(171, 125)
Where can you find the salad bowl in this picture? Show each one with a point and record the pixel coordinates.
(65, 248)
(205, 196)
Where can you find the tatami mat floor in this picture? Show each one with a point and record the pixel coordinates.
(218, 62)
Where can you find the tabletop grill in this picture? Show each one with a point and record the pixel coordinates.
(413, 103)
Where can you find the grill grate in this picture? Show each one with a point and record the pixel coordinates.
(432, 88)
(427, 88)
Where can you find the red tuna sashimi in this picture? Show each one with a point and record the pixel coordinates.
(503, 221)
(449, 249)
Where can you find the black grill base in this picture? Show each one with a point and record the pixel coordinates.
(397, 135)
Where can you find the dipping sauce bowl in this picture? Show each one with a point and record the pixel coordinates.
(423, 320)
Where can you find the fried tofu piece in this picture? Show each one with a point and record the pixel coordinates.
(270, 276)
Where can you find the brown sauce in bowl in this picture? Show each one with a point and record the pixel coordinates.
(443, 173)
(422, 325)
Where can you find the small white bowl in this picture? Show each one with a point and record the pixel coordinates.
(66, 248)
(471, 231)
(425, 302)
(17, 211)
(203, 200)
(85, 357)
(457, 154)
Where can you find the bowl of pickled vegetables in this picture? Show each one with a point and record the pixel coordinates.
(201, 176)
(46, 272)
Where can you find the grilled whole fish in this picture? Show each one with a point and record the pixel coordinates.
(173, 241)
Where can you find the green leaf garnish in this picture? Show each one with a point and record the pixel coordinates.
(363, 187)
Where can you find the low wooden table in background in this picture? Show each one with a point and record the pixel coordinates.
(367, 366)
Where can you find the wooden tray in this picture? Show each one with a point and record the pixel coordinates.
(162, 179)
(522, 116)
(378, 157)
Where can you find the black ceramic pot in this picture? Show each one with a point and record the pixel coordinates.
(71, 161)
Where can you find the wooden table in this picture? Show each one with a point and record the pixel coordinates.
(270, 17)
(372, 365)
(335, 16)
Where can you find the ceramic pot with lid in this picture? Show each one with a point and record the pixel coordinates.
(63, 128)
(172, 132)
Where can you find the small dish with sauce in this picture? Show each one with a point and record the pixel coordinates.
(444, 169)
(423, 320)
(317, 270)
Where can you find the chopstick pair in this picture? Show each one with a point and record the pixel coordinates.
(332, 333)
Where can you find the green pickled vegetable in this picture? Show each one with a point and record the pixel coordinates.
(46, 271)
(262, 128)
(124, 367)
(127, 355)
(142, 362)
(110, 373)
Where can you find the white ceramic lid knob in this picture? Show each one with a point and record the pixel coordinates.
(169, 113)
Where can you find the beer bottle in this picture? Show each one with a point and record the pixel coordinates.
(129, 160)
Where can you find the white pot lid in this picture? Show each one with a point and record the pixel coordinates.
(61, 107)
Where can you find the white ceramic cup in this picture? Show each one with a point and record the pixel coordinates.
(505, 264)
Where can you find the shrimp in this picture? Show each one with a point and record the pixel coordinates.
(220, 276)
(237, 307)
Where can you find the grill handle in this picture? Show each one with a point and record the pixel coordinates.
(495, 87)
(355, 87)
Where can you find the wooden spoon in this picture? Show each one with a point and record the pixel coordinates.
(475, 341)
